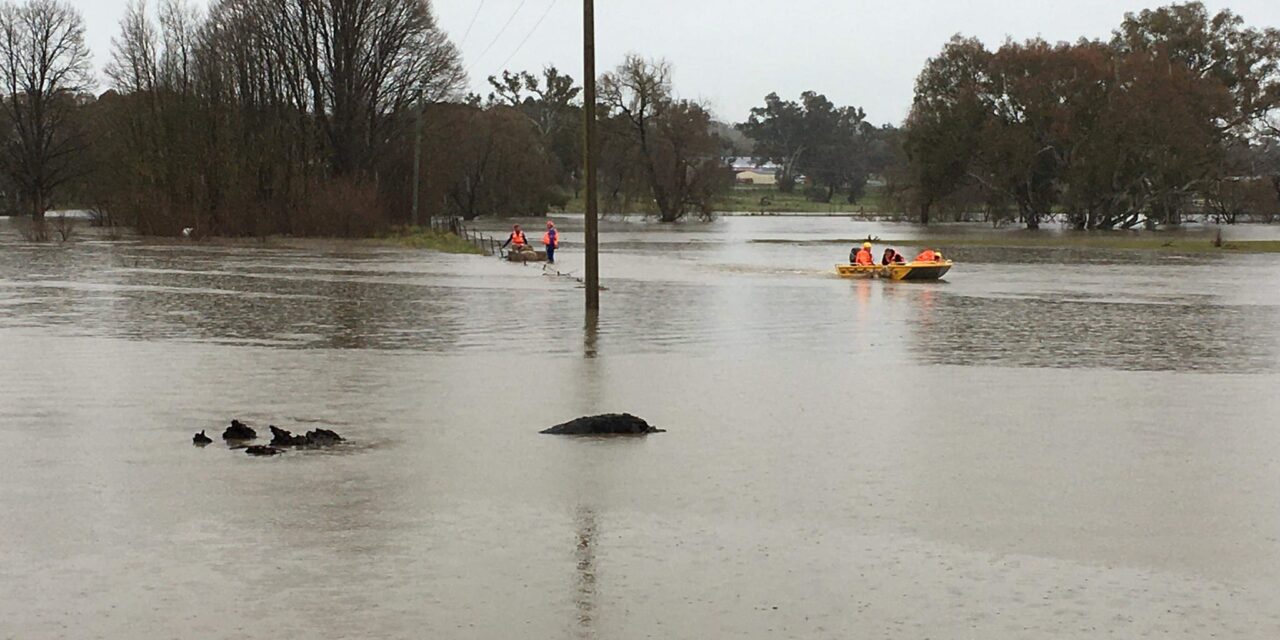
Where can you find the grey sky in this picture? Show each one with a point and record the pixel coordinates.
(731, 54)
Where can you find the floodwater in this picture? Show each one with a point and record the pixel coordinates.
(1049, 444)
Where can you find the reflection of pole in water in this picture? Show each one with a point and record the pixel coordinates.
(585, 555)
(590, 333)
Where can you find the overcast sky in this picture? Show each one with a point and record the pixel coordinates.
(731, 54)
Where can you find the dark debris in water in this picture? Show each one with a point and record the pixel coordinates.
(609, 424)
(316, 438)
(239, 434)
(239, 431)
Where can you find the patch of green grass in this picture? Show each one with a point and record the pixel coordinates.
(430, 239)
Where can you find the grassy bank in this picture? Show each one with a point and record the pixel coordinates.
(766, 200)
(763, 200)
(1153, 242)
(430, 239)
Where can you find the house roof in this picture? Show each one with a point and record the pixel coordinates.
(752, 164)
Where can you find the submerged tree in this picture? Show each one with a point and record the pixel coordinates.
(942, 129)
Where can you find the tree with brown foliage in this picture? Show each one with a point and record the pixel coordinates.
(1119, 133)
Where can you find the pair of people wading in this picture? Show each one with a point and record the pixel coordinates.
(550, 240)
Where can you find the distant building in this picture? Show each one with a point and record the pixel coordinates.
(749, 171)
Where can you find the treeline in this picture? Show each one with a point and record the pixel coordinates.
(266, 116)
(519, 151)
(258, 117)
(1170, 116)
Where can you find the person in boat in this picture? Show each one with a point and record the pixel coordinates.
(929, 255)
(864, 257)
(517, 239)
(892, 257)
(551, 240)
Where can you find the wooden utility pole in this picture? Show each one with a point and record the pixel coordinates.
(589, 168)
(417, 165)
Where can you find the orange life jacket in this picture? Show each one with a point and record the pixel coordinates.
(927, 255)
(547, 241)
(864, 257)
(517, 239)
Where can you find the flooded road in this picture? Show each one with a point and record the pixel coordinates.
(1050, 444)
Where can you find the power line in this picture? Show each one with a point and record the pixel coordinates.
(537, 24)
(472, 23)
(502, 30)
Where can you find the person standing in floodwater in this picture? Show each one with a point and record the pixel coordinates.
(551, 240)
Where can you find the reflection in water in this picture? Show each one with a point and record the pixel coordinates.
(1030, 332)
(585, 585)
(1178, 315)
(1142, 502)
(590, 333)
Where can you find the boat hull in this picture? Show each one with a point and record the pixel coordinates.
(859, 270)
(919, 270)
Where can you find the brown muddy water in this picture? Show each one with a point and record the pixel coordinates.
(1050, 444)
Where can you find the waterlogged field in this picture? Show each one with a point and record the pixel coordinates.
(1056, 441)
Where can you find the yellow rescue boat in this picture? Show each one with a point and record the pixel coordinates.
(907, 271)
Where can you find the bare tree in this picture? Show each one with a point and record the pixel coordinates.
(133, 66)
(44, 70)
(672, 138)
(240, 118)
(364, 61)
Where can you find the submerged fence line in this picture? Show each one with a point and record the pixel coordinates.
(482, 241)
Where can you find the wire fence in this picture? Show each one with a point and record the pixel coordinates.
(490, 245)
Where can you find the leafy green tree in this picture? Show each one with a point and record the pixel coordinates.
(778, 130)
(827, 144)
(944, 126)
(550, 101)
